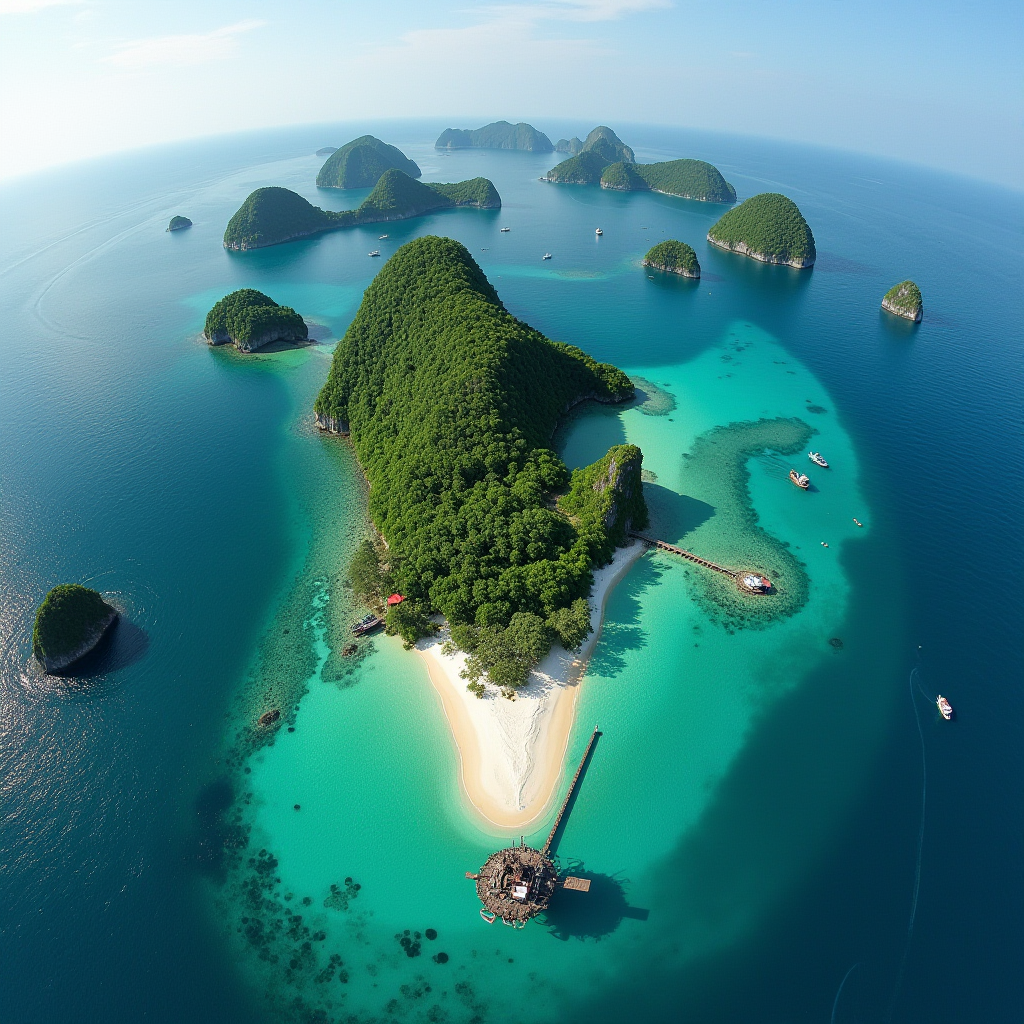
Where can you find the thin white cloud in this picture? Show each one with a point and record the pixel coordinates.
(31, 6)
(576, 10)
(198, 48)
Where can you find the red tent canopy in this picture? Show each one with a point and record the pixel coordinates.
(395, 599)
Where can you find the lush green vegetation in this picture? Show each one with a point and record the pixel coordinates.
(770, 226)
(70, 616)
(498, 135)
(451, 403)
(905, 300)
(271, 215)
(604, 141)
(673, 256)
(247, 315)
(691, 179)
(361, 162)
(178, 223)
(624, 177)
(599, 149)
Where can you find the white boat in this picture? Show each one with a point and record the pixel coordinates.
(506, 229)
(382, 236)
(945, 708)
(376, 252)
(818, 459)
(598, 232)
(546, 256)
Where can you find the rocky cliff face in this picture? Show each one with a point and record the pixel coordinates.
(681, 271)
(331, 425)
(619, 486)
(56, 666)
(904, 300)
(745, 250)
(221, 337)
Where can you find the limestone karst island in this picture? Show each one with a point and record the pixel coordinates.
(273, 214)
(70, 623)
(674, 258)
(904, 299)
(361, 162)
(179, 224)
(249, 320)
(768, 227)
(499, 135)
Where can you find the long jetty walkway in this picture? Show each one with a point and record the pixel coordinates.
(568, 796)
(682, 552)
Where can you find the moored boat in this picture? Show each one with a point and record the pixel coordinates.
(546, 256)
(818, 459)
(945, 708)
(376, 252)
(367, 625)
(598, 232)
(488, 916)
(799, 479)
(506, 229)
(381, 236)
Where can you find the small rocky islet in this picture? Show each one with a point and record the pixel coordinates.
(70, 623)
(179, 223)
(673, 257)
(249, 320)
(904, 299)
(768, 227)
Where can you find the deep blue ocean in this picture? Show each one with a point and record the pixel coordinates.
(853, 859)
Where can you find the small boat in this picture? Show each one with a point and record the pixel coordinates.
(824, 543)
(269, 718)
(945, 708)
(381, 236)
(818, 459)
(546, 256)
(506, 229)
(367, 625)
(488, 916)
(858, 522)
(598, 232)
(799, 479)
(376, 252)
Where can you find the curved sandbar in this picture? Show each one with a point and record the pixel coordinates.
(511, 753)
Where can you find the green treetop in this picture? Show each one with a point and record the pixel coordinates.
(69, 617)
(361, 162)
(247, 315)
(768, 226)
(673, 255)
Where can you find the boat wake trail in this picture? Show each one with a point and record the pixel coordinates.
(920, 847)
(839, 992)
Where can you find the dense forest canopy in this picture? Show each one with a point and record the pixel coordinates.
(769, 224)
(271, 215)
(600, 148)
(69, 615)
(247, 315)
(451, 403)
(690, 179)
(361, 162)
(671, 255)
(498, 135)
(571, 146)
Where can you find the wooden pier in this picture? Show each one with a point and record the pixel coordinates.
(683, 553)
(568, 796)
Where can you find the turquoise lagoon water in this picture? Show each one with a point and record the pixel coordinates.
(752, 818)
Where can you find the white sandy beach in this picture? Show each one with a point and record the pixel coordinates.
(511, 752)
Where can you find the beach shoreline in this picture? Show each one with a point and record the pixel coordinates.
(511, 752)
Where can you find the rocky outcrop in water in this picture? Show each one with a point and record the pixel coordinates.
(70, 623)
(904, 299)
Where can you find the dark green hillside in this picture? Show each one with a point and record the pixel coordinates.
(624, 177)
(246, 316)
(272, 215)
(179, 224)
(584, 169)
(498, 135)
(571, 146)
(69, 617)
(691, 179)
(768, 227)
(604, 141)
(674, 257)
(451, 403)
(361, 162)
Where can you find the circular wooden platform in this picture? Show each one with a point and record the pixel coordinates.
(517, 883)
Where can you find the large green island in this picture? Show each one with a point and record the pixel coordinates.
(70, 622)
(273, 215)
(498, 135)
(361, 162)
(768, 227)
(599, 149)
(451, 403)
(249, 320)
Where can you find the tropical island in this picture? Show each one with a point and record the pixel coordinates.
(326, 150)
(498, 135)
(571, 146)
(674, 258)
(70, 622)
(688, 179)
(904, 299)
(361, 162)
(249, 320)
(273, 214)
(179, 224)
(599, 149)
(768, 227)
(450, 403)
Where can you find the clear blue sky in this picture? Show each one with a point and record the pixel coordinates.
(937, 82)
